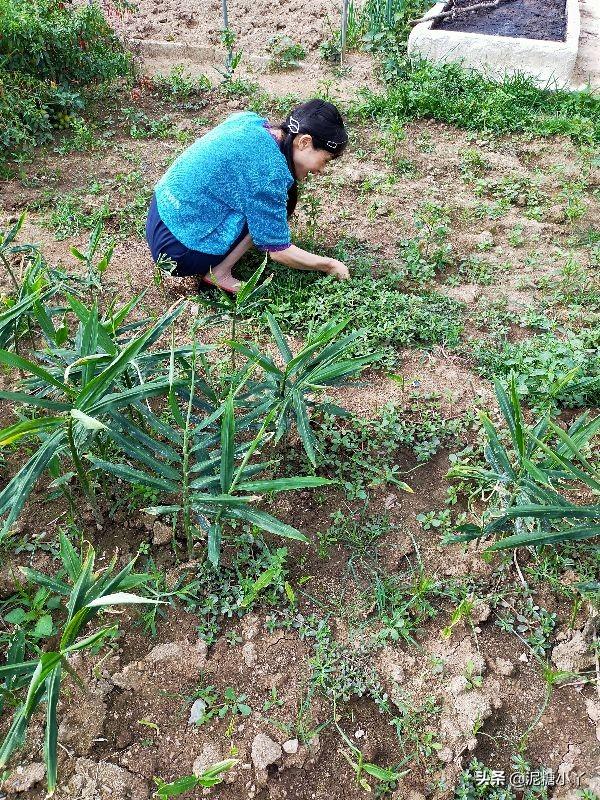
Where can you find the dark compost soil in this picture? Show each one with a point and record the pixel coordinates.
(528, 19)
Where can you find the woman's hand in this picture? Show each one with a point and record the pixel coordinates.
(337, 269)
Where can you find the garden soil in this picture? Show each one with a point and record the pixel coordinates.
(529, 19)
(133, 724)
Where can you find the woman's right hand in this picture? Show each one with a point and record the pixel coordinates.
(337, 269)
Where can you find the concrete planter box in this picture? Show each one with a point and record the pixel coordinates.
(550, 64)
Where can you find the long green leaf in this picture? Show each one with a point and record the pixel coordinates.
(227, 445)
(283, 484)
(26, 428)
(101, 384)
(15, 361)
(135, 475)
(548, 538)
(307, 437)
(266, 522)
(51, 731)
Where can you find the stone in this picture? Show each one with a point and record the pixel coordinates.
(575, 654)
(250, 626)
(102, 780)
(161, 533)
(210, 754)
(264, 752)
(197, 711)
(22, 779)
(481, 612)
(593, 711)
(501, 666)
(166, 665)
(446, 754)
(291, 746)
(8, 584)
(249, 654)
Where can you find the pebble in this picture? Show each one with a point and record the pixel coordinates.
(291, 746)
(197, 711)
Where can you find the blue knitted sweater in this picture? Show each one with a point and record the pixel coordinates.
(232, 176)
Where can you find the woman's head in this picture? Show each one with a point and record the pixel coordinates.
(314, 134)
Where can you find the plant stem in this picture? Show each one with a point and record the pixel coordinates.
(10, 272)
(86, 485)
(187, 527)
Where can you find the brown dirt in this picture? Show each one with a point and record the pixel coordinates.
(369, 197)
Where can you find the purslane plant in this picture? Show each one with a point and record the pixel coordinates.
(86, 592)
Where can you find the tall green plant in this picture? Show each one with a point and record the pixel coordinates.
(86, 593)
(528, 479)
(203, 475)
(286, 392)
(91, 389)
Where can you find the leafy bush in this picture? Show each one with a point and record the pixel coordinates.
(49, 51)
(549, 371)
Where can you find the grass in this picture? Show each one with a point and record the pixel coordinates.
(448, 93)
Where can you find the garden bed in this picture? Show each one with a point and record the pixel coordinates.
(530, 19)
(548, 61)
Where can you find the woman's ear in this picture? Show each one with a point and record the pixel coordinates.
(303, 141)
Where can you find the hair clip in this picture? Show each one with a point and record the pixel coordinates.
(333, 145)
(293, 125)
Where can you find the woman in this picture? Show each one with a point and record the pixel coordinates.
(237, 186)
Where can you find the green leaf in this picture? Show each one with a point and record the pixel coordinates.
(51, 731)
(214, 543)
(41, 579)
(69, 557)
(280, 341)
(26, 428)
(574, 534)
(307, 437)
(16, 616)
(43, 627)
(227, 445)
(283, 484)
(266, 522)
(135, 475)
(15, 361)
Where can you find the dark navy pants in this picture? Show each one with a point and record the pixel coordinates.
(188, 262)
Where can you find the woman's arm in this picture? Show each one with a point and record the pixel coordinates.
(297, 258)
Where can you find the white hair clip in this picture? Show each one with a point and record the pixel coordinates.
(293, 125)
(333, 145)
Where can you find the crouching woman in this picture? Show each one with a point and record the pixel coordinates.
(236, 187)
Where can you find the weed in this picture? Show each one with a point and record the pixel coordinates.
(177, 85)
(530, 623)
(284, 53)
(549, 371)
(367, 453)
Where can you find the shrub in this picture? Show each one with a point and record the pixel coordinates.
(49, 53)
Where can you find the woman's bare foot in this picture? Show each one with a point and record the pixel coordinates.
(224, 281)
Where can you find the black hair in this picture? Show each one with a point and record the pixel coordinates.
(324, 123)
